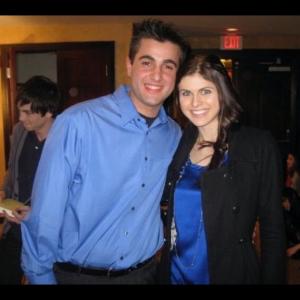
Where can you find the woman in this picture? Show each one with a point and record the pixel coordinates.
(292, 173)
(223, 177)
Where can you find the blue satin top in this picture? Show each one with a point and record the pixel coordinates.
(189, 263)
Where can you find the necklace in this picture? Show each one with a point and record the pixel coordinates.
(203, 154)
(192, 263)
(186, 261)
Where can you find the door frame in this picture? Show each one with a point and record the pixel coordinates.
(9, 74)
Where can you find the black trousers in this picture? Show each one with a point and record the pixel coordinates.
(10, 256)
(144, 275)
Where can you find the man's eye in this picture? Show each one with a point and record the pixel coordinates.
(146, 63)
(170, 67)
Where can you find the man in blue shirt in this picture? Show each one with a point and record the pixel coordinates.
(95, 215)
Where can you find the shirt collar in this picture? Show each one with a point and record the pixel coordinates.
(128, 110)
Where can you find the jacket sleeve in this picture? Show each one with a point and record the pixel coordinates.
(272, 227)
(8, 184)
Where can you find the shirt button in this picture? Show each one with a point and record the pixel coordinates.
(241, 241)
(235, 209)
(139, 119)
(143, 185)
(225, 175)
(132, 208)
(146, 158)
(121, 258)
(169, 183)
(126, 233)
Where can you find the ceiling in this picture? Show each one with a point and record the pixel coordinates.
(191, 25)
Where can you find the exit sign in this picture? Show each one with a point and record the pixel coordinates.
(231, 42)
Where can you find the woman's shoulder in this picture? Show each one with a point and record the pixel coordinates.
(252, 143)
(251, 134)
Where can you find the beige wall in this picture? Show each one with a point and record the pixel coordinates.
(21, 33)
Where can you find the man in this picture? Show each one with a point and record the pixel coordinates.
(38, 103)
(95, 215)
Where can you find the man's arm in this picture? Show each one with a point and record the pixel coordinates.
(41, 230)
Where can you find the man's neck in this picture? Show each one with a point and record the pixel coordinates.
(149, 120)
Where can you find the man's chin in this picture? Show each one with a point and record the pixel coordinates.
(28, 128)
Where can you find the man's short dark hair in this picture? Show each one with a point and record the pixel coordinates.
(42, 93)
(159, 31)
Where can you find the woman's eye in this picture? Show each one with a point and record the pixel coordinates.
(185, 93)
(206, 92)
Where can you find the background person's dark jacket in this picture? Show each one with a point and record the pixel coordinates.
(233, 196)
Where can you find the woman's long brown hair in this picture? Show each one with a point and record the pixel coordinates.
(211, 68)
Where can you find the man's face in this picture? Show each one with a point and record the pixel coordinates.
(153, 73)
(32, 121)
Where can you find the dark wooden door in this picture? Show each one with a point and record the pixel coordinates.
(266, 97)
(85, 73)
(266, 88)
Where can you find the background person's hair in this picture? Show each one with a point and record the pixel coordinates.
(159, 31)
(42, 93)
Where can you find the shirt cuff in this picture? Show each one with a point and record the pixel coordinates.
(46, 278)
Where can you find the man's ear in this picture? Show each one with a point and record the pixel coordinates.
(49, 115)
(128, 66)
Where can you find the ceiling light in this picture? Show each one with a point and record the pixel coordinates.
(232, 29)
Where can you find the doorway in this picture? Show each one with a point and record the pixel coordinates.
(82, 71)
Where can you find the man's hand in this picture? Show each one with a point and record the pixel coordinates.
(292, 250)
(19, 214)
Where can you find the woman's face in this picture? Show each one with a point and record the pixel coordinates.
(199, 101)
(290, 161)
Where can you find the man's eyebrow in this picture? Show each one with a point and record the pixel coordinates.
(146, 56)
(166, 61)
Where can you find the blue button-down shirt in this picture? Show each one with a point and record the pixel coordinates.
(97, 190)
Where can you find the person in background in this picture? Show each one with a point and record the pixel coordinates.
(38, 102)
(292, 173)
(95, 215)
(223, 177)
(291, 210)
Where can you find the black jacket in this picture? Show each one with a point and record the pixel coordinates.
(233, 197)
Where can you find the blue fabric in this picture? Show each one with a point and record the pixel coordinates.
(96, 194)
(189, 263)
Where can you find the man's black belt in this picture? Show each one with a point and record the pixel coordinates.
(68, 267)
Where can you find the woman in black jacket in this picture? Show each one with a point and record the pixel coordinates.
(223, 178)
